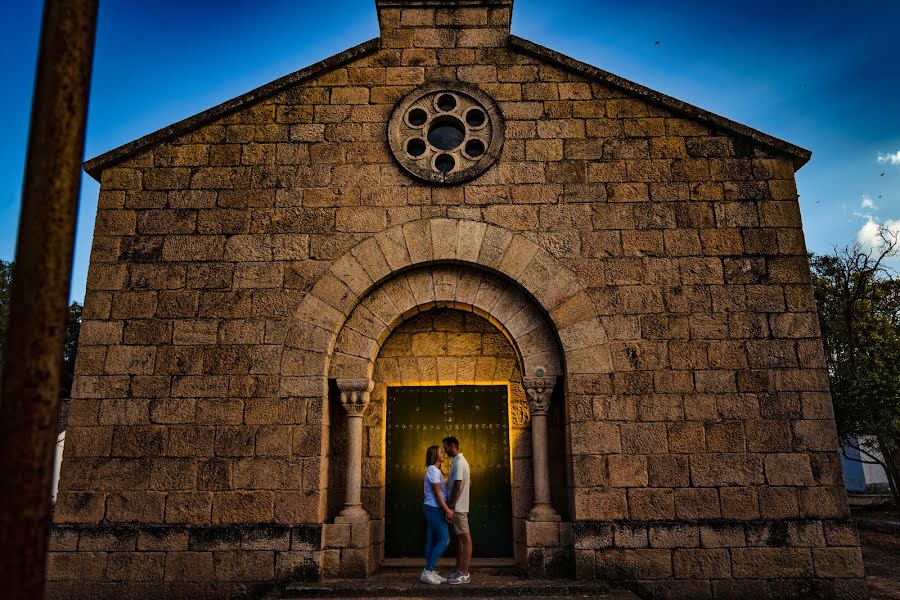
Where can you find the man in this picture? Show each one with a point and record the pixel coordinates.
(459, 484)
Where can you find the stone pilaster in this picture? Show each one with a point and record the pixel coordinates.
(547, 539)
(354, 399)
(539, 391)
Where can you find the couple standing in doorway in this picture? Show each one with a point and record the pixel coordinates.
(447, 505)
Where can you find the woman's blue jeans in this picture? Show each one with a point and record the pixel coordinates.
(436, 535)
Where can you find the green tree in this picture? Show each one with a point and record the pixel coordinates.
(858, 300)
(73, 327)
(5, 285)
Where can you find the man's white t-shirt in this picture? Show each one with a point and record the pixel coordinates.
(459, 471)
(434, 475)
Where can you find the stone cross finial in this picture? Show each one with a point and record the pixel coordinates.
(355, 395)
(539, 390)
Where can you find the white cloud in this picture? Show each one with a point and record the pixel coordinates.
(869, 234)
(893, 226)
(893, 159)
(867, 203)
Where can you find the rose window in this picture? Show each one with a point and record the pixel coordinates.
(446, 133)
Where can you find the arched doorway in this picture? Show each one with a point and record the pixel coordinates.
(340, 327)
(451, 372)
(472, 331)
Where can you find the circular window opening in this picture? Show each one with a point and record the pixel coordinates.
(417, 117)
(475, 117)
(475, 148)
(416, 147)
(444, 163)
(447, 133)
(446, 102)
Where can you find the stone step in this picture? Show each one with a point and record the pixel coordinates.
(394, 585)
(486, 566)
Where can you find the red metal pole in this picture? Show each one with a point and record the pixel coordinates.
(29, 385)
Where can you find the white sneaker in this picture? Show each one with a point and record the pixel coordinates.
(430, 577)
(460, 578)
(439, 576)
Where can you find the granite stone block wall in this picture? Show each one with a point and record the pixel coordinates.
(662, 245)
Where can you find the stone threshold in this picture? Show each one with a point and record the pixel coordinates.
(444, 563)
(394, 585)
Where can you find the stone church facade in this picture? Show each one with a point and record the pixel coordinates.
(442, 208)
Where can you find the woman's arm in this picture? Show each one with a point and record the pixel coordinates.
(439, 495)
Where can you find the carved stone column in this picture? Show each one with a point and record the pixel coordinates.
(539, 390)
(354, 398)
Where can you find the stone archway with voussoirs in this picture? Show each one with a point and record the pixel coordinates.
(452, 286)
(500, 275)
(553, 288)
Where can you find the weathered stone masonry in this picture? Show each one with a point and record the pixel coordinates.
(250, 261)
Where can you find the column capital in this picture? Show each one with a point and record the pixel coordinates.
(355, 395)
(539, 390)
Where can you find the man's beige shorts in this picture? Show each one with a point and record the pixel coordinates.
(460, 523)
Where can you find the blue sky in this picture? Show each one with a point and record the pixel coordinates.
(822, 75)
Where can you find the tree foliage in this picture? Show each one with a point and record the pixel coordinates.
(858, 300)
(73, 327)
(5, 285)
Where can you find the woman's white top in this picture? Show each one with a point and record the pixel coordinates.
(434, 475)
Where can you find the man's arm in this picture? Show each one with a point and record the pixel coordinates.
(454, 495)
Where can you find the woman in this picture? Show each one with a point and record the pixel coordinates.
(437, 514)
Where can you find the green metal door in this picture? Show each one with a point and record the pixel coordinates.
(418, 417)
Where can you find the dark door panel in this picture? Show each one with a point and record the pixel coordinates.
(418, 417)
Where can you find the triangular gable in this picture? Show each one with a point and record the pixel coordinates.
(95, 166)
(800, 155)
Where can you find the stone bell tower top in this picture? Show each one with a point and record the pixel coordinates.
(444, 23)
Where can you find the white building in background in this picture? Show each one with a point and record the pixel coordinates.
(62, 424)
(862, 477)
(57, 461)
